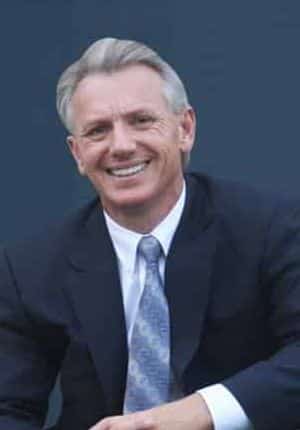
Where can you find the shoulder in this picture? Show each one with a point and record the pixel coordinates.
(52, 240)
(246, 214)
(228, 198)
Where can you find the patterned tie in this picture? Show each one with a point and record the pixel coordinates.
(148, 377)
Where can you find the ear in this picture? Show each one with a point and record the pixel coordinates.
(187, 129)
(74, 147)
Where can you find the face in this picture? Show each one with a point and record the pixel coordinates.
(128, 142)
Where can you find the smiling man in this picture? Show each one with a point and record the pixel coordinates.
(172, 300)
(129, 143)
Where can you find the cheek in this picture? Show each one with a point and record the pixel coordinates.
(92, 157)
(171, 158)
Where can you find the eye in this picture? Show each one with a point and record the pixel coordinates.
(98, 131)
(143, 120)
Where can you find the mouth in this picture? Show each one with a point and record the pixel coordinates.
(128, 171)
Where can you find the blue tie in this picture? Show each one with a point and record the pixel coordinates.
(148, 376)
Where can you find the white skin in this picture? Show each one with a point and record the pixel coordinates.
(129, 144)
(120, 121)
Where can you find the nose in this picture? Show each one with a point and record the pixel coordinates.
(122, 143)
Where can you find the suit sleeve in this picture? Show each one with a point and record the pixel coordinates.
(269, 391)
(27, 373)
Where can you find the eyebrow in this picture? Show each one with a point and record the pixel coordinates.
(95, 122)
(108, 119)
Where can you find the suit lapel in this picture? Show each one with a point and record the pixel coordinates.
(188, 271)
(94, 288)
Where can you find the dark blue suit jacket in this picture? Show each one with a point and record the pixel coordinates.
(233, 285)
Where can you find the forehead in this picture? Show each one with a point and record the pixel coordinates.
(133, 87)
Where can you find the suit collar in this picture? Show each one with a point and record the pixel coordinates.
(88, 244)
(94, 288)
(188, 274)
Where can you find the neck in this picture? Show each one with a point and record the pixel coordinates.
(144, 218)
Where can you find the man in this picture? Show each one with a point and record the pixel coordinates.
(204, 336)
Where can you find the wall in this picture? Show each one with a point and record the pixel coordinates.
(239, 59)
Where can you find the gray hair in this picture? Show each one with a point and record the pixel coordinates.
(109, 55)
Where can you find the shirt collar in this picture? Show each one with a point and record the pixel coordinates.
(125, 241)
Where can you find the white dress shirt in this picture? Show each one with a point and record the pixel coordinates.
(226, 412)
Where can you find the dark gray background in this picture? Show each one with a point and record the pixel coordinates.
(239, 59)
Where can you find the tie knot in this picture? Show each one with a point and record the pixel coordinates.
(150, 248)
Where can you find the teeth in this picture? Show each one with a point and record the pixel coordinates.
(129, 170)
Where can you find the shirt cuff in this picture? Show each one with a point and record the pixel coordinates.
(226, 412)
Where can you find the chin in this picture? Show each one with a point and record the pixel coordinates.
(137, 201)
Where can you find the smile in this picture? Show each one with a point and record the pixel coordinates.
(128, 171)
